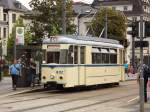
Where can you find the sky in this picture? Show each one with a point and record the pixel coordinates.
(25, 2)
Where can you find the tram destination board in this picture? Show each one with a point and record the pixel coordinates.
(141, 44)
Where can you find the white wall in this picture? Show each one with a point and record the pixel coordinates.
(1, 13)
(11, 24)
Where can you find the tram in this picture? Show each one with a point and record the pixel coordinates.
(71, 61)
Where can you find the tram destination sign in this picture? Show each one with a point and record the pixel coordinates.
(53, 47)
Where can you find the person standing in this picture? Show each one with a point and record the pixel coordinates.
(15, 69)
(146, 74)
(126, 66)
(32, 72)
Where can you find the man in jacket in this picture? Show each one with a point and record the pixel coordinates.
(146, 74)
(15, 69)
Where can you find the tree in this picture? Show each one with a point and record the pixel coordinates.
(47, 15)
(116, 24)
(11, 39)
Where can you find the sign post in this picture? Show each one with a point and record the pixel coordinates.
(19, 40)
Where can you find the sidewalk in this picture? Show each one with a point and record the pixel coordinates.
(6, 88)
(130, 76)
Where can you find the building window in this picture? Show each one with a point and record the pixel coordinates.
(125, 8)
(13, 18)
(5, 17)
(0, 33)
(4, 33)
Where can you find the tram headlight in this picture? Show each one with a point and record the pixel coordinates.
(52, 76)
(44, 77)
(61, 77)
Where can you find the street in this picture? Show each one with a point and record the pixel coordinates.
(102, 99)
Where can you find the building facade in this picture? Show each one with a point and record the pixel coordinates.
(132, 9)
(10, 11)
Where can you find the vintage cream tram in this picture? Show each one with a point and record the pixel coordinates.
(71, 61)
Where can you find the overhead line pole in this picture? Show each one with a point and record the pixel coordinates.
(64, 17)
(141, 90)
(106, 23)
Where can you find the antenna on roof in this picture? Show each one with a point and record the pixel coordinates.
(102, 32)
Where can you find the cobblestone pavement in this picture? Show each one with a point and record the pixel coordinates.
(112, 99)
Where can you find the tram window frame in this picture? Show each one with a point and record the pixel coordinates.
(113, 57)
(82, 54)
(70, 55)
(54, 57)
(96, 57)
(93, 58)
(105, 57)
(63, 56)
(75, 54)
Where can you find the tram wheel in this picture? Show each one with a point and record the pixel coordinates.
(60, 87)
(116, 84)
(45, 86)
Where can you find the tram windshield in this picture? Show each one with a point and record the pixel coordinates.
(53, 57)
(58, 57)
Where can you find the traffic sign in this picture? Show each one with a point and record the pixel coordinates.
(19, 35)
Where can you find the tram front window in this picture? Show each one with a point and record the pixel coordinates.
(53, 57)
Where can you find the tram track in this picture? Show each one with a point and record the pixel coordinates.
(55, 93)
(76, 99)
(97, 103)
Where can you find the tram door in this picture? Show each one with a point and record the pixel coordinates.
(80, 54)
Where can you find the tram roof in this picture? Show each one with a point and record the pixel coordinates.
(85, 40)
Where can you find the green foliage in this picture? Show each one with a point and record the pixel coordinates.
(116, 24)
(47, 17)
(11, 39)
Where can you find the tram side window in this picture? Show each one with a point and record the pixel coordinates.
(113, 56)
(70, 55)
(93, 58)
(63, 56)
(105, 56)
(53, 57)
(96, 56)
(76, 55)
(99, 58)
(82, 53)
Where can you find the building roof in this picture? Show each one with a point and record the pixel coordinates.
(82, 8)
(13, 5)
(137, 5)
(111, 2)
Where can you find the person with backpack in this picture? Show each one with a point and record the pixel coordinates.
(15, 69)
(146, 74)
